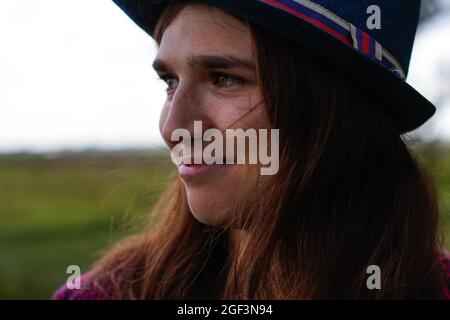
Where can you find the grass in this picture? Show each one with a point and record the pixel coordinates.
(60, 210)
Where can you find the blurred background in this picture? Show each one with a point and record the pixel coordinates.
(81, 159)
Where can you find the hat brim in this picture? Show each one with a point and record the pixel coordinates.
(405, 105)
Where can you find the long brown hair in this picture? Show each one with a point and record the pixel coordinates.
(349, 193)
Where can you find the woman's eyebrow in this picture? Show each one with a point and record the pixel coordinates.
(160, 65)
(210, 62)
(220, 62)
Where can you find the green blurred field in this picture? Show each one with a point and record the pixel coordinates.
(58, 211)
(61, 210)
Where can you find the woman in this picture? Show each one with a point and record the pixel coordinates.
(348, 195)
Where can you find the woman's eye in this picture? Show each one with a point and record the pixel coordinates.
(171, 82)
(224, 80)
(220, 80)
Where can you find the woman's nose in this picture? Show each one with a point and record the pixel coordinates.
(185, 107)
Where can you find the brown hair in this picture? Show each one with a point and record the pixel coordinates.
(349, 194)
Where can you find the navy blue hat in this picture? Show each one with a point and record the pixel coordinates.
(376, 53)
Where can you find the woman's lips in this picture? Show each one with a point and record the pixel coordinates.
(189, 171)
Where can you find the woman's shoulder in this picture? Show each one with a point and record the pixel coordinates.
(90, 289)
(444, 258)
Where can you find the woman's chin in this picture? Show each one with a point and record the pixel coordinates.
(206, 209)
(209, 220)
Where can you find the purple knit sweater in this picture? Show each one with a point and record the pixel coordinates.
(92, 290)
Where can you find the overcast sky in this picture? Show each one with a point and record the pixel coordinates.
(77, 74)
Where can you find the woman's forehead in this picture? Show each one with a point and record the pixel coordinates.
(203, 30)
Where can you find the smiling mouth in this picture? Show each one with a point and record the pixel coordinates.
(203, 163)
(189, 172)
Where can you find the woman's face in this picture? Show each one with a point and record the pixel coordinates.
(207, 59)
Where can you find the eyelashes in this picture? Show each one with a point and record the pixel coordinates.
(226, 80)
(168, 80)
(218, 79)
